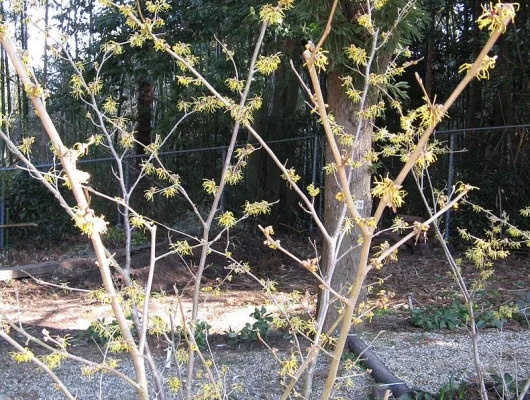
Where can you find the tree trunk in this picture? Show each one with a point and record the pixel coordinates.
(474, 98)
(343, 271)
(145, 110)
(43, 137)
(263, 175)
(503, 103)
(429, 73)
(143, 136)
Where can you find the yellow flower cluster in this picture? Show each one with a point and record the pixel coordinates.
(266, 65)
(494, 17)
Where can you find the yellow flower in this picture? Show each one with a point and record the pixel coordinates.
(95, 86)
(312, 190)
(378, 4)
(234, 84)
(493, 17)
(289, 366)
(110, 105)
(112, 47)
(266, 65)
(22, 356)
(160, 45)
(321, 60)
(174, 384)
(430, 114)
(257, 208)
(210, 186)
(271, 15)
(89, 223)
(291, 173)
(330, 168)
(357, 54)
(286, 4)
(340, 196)
(483, 72)
(181, 49)
(389, 192)
(25, 147)
(227, 220)
(366, 22)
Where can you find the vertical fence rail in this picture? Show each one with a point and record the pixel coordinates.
(450, 178)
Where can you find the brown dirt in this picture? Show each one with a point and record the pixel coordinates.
(424, 278)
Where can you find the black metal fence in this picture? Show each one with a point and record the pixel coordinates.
(192, 165)
(497, 160)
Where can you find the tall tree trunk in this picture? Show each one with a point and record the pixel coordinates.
(43, 137)
(262, 173)
(143, 136)
(4, 83)
(24, 44)
(8, 154)
(342, 108)
(503, 102)
(144, 116)
(429, 75)
(474, 98)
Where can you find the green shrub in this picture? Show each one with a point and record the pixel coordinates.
(451, 316)
(115, 237)
(261, 326)
(200, 333)
(446, 317)
(250, 332)
(28, 200)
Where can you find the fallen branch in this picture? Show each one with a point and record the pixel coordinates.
(379, 370)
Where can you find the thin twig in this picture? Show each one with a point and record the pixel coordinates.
(60, 385)
(70, 356)
(327, 30)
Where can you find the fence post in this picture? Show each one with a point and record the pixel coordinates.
(450, 175)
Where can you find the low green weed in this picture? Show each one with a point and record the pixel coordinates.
(453, 315)
(115, 237)
(523, 309)
(450, 391)
(250, 332)
(445, 317)
(200, 333)
(505, 386)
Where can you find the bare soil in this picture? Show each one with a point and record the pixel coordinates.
(421, 279)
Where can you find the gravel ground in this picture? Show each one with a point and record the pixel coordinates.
(255, 370)
(425, 360)
(428, 360)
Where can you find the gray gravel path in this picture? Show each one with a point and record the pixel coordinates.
(426, 360)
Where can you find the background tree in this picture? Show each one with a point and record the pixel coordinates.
(341, 262)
